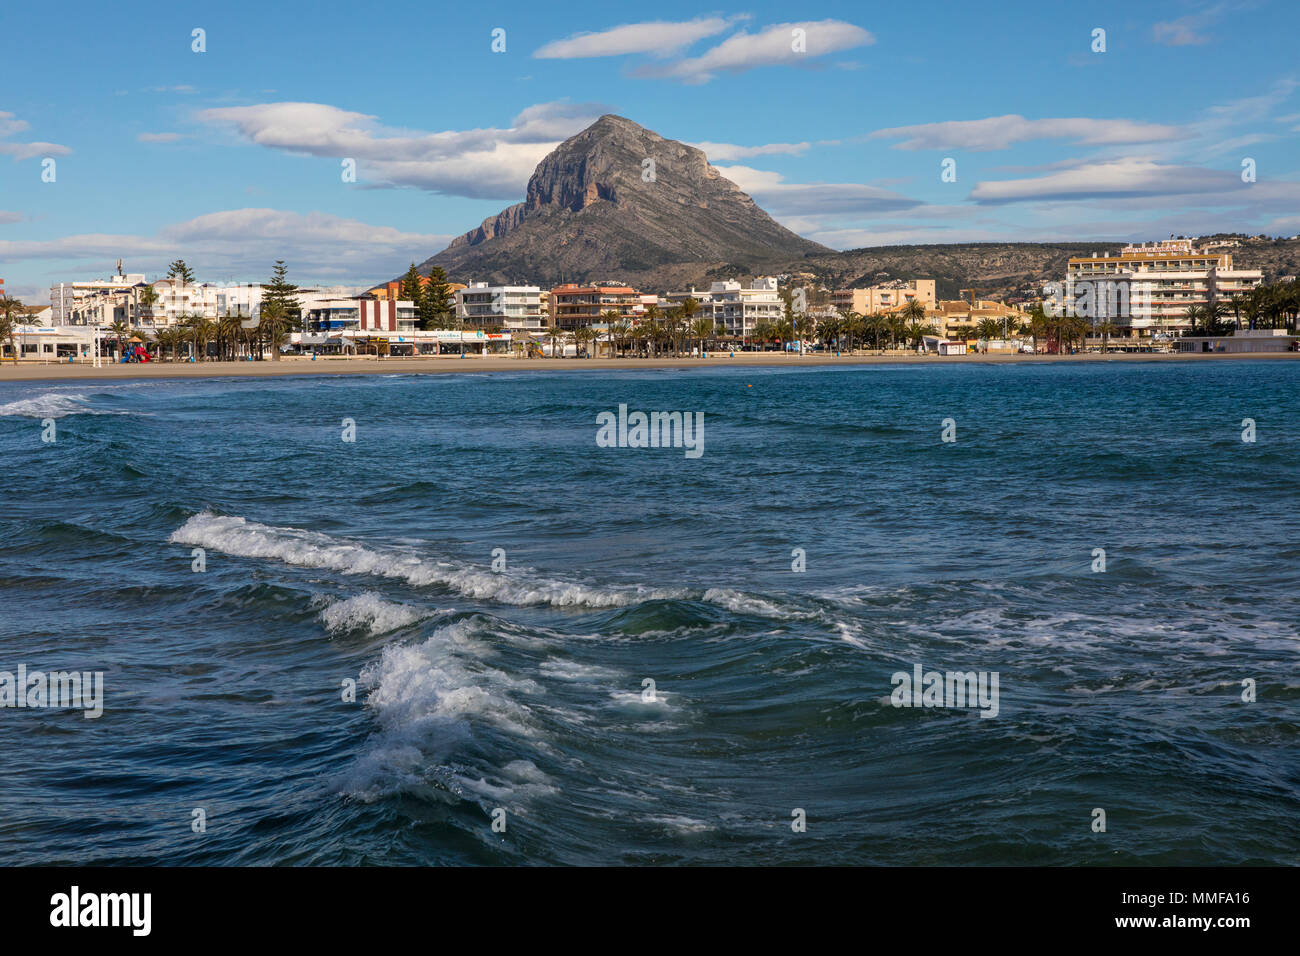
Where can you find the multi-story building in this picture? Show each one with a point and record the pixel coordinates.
(886, 297)
(1147, 289)
(393, 290)
(736, 309)
(121, 298)
(574, 306)
(361, 314)
(957, 318)
(480, 306)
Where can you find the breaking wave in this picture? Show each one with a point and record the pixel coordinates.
(312, 549)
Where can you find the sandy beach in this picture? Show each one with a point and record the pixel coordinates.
(368, 365)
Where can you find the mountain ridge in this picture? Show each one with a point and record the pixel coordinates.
(618, 199)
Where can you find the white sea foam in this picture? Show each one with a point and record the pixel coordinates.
(371, 612)
(743, 603)
(430, 696)
(311, 549)
(578, 673)
(53, 405)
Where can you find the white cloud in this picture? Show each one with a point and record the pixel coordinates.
(775, 45)
(658, 37)
(8, 217)
(1186, 30)
(999, 132)
(1136, 178)
(159, 137)
(726, 151)
(480, 163)
(244, 243)
(9, 125)
(782, 199)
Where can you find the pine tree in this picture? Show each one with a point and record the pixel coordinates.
(283, 293)
(179, 270)
(438, 305)
(411, 286)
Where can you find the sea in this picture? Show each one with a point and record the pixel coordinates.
(402, 619)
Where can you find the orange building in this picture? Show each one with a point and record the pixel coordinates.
(574, 306)
(392, 290)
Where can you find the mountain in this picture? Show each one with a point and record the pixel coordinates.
(595, 209)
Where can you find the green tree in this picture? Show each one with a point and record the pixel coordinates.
(1038, 324)
(12, 314)
(148, 299)
(121, 331)
(179, 270)
(988, 329)
(436, 305)
(284, 294)
(703, 329)
(273, 326)
(412, 288)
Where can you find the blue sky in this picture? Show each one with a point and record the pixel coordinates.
(231, 158)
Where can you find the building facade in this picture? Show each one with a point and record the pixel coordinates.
(576, 306)
(885, 298)
(1146, 289)
(480, 305)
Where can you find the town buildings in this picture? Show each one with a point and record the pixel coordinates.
(1146, 289)
(121, 298)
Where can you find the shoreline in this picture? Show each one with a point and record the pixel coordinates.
(36, 372)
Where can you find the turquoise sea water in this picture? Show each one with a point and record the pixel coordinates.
(524, 690)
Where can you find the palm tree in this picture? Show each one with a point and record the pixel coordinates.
(554, 333)
(804, 326)
(917, 331)
(586, 336)
(913, 313)
(229, 328)
(272, 325)
(828, 330)
(850, 324)
(783, 329)
(651, 319)
(1107, 328)
(703, 329)
(618, 331)
(897, 327)
(988, 329)
(148, 299)
(121, 331)
(12, 312)
(1038, 325)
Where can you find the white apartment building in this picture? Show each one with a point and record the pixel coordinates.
(737, 310)
(1147, 288)
(117, 299)
(480, 305)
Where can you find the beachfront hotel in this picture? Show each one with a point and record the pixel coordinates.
(885, 297)
(1146, 289)
(574, 306)
(518, 307)
(736, 308)
(119, 298)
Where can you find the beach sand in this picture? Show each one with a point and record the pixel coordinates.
(368, 365)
